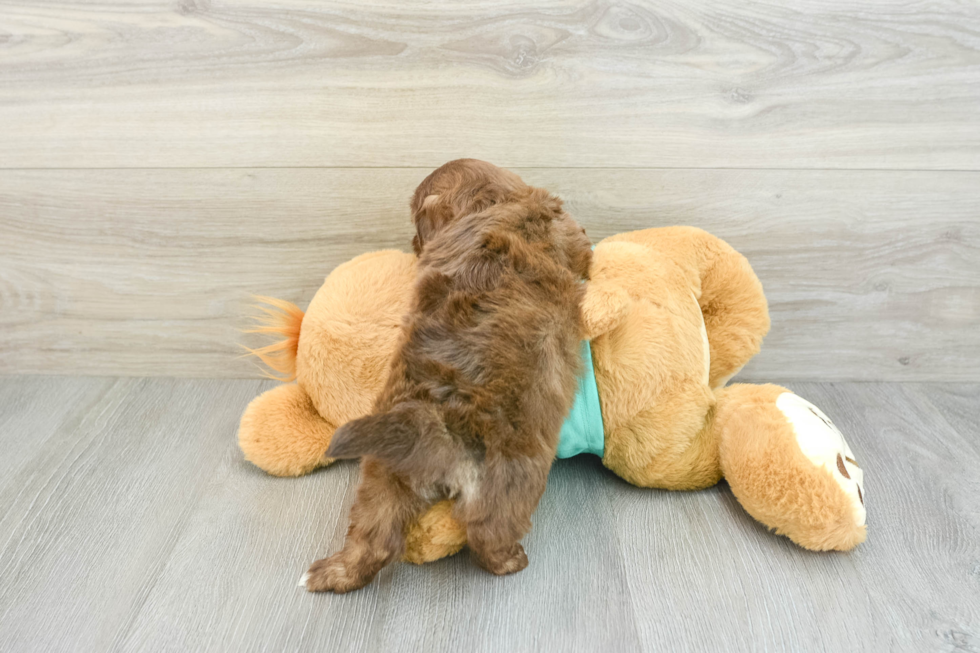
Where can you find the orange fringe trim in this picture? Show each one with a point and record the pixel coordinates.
(284, 319)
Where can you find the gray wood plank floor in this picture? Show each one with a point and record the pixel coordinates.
(129, 521)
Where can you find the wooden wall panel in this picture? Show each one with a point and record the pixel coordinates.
(870, 274)
(215, 83)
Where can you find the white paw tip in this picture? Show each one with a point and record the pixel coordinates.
(302, 581)
(825, 446)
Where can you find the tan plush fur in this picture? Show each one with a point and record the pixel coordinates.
(282, 432)
(665, 425)
(436, 530)
(650, 359)
(347, 338)
(773, 480)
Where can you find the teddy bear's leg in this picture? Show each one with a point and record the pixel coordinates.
(736, 314)
(435, 535)
(790, 467)
(282, 433)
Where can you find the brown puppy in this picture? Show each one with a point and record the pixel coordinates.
(484, 376)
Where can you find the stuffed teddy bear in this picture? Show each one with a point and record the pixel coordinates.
(671, 315)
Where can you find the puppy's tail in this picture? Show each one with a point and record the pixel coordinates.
(406, 437)
(283, 319)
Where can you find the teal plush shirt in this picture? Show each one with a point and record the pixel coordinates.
(582, 430)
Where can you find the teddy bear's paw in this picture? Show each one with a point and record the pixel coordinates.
(824, 445)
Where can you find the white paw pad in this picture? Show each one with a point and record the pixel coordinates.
(824, 445)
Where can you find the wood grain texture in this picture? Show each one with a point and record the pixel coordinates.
(957, 406)
(178, 83)
(137, 527)
(29, 418)
(87, 527)
(869, 274)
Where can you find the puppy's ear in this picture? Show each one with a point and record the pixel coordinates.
(580, 253)
(428, 219)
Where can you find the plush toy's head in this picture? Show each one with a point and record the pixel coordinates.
(350, 332)
(338, 353)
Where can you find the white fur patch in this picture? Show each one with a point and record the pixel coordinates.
(465, 481)
(823, 444)
(302, 581)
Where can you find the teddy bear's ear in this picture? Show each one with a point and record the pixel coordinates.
(604, 307)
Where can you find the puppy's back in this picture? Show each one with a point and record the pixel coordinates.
(497, 322)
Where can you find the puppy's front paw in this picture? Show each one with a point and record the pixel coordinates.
(333, 574)
(504, 561)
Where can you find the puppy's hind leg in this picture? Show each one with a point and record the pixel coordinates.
(381, 511)
(500, 515)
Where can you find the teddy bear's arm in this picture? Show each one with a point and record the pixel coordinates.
(603, 307)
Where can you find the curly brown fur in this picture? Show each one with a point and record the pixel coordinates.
(485, 374)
